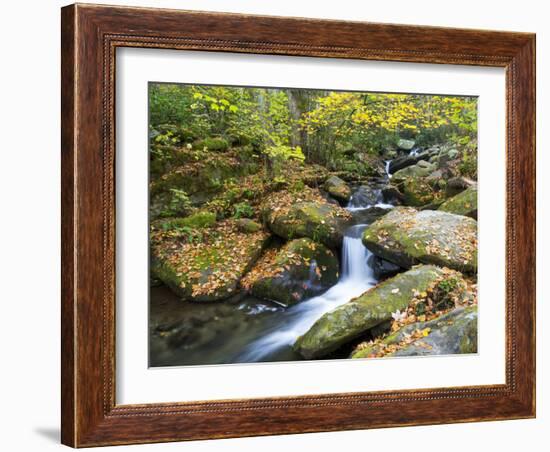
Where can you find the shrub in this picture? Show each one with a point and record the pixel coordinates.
(243, 210)
(178, 203)
(212, 144)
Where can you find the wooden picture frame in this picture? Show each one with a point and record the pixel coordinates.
(90, 36)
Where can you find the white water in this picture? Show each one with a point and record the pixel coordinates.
(414, 152)
(387, 167)
(361, 202)
(356, 277)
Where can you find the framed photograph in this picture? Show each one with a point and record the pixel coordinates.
(281, 225)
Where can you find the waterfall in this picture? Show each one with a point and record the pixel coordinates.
(365, 198)
(414, 152)
(387, 167)
(356, 277)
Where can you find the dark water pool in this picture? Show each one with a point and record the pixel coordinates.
(183, 333)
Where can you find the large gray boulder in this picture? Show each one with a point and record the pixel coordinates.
(301, 269)
(407, 237)
(452, 333)
(359, 315)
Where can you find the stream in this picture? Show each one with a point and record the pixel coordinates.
(253, 330)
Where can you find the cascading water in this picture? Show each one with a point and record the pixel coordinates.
(414, 152)
(356, 277)
(387, 168)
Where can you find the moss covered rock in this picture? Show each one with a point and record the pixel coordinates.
(337, 188)
(300, 269)
(359, 315)
(452, 333)
(421, 169)
(417, 192)
(405, 145)
(247, 225)
(320, 221)
(465, 203)
(407, 237)
(209, 266)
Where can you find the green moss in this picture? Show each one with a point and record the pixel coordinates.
(299, 270)
(406, 237)
(248, 226)
(417, 192)
(465, 203)
(337, 188)
(209, 270)
(198, 220)
(454, 332)
(322, 222)
(361, 314)
(212, 144)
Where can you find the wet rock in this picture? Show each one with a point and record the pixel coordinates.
(452, 333)
(455, 185)
(368, 215)
(465, 203)
(382, 268)
(407, 160)
(359, 315)
(406, 237)
(392, 195)
(364, 196)
(337, 188)
(301, 269)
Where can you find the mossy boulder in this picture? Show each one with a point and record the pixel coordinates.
(300, 269)
(337, 188)
(320, 221)
(208, 267)
(405, 145)
(417, 192)
(247, 225)
(465, 203)
(421, 169)
(453, 333)
(359, 315)
(407, 237)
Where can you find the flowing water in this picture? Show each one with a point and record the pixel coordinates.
(414, 151)
(387, 164)
(252, 330)
(356, 278)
